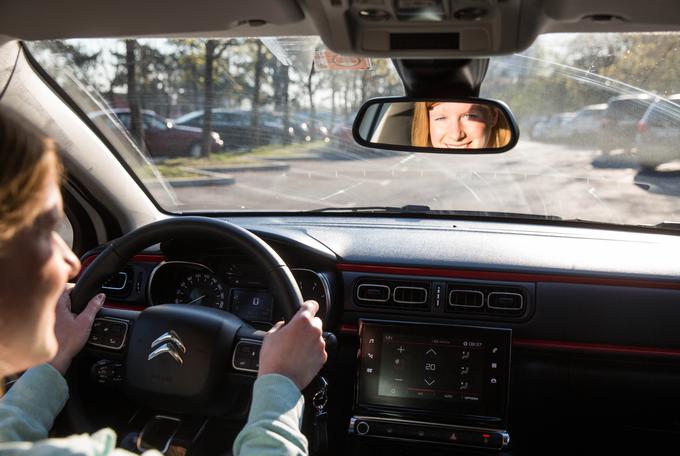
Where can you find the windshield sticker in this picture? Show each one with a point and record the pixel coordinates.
(329, 60)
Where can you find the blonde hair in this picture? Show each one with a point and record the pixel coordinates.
(420, 127)
(27, 159)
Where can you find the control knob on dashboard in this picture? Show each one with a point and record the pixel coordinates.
(362, 428)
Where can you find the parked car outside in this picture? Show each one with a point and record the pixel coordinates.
(586, 126)
(658, 133)
(233, 126)
(162, 138)
(236, 129)
(552, 129)
(308, 129)
(620, 121)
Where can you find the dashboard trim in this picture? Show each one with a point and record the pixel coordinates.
(595, 348)
(142, 258)
(507, 276)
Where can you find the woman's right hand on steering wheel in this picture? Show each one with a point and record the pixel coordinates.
(295, 349)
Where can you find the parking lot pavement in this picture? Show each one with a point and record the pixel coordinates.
(535, 178)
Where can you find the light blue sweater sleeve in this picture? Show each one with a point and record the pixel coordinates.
(28, 410)
(27, 413)
(274, 422)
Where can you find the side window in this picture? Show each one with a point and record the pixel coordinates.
(196, 121)
(154, 123)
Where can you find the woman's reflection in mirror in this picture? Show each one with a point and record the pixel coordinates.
(454, 125)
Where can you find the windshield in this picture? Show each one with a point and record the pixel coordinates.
(265, 125)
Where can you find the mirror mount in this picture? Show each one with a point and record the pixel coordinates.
(450, 78)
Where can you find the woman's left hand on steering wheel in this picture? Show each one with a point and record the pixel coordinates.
(71, 330)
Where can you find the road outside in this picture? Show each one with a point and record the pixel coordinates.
(535, 178)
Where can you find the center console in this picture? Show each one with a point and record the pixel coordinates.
(433, 383)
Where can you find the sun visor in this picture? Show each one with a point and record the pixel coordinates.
(127, 18)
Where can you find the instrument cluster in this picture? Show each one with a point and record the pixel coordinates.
(234, 286)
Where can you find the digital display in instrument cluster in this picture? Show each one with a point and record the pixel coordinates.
(252, 305)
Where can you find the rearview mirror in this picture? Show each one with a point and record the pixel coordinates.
(459, 126)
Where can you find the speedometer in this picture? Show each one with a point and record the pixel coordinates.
(201, 289)
(313, 286)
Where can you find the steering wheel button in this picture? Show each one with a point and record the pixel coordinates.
(243, 363)
(116, 329)
(244, 348)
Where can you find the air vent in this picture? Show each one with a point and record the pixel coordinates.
(414, 295)
(506, 301)
(486, 299)
(410, 295)
(372, 292)
(471, 299)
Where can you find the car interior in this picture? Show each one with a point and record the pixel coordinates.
(450, 330)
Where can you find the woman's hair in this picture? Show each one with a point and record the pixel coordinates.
(420, 128)
(27, 159)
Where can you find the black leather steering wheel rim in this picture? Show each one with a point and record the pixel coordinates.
(282, 283)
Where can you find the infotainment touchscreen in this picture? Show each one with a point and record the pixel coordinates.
(448, 370)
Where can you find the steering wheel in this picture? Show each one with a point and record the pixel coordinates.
(196, 343)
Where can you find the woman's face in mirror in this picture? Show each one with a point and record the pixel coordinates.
(461, 125)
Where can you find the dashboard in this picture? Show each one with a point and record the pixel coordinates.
(457, 336)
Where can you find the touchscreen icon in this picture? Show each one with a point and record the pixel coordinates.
(464, 386)
(464, 370)
(465, 355)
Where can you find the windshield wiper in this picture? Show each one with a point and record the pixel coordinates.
(408, 209)
(668, 226)
(426, 210)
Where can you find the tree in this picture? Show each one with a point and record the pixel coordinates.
(257, 86)
(213, 51)
(281, 82)
(136, 124)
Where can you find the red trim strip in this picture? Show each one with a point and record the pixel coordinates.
(117, 305)
(507, 276)
(352, 330)
(142, 258)
(597, 348)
